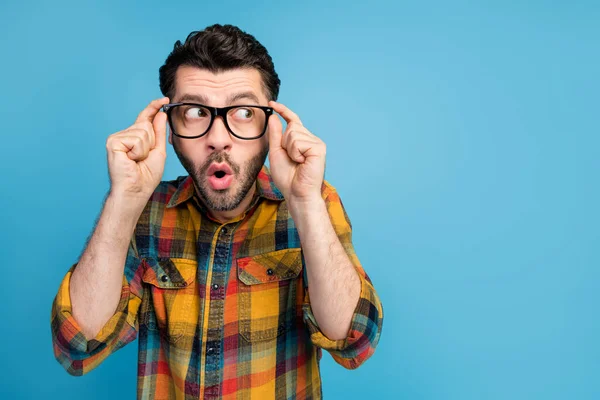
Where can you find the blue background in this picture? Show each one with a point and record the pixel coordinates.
(461, 137)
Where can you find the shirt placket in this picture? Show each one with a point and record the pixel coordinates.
(217, 288)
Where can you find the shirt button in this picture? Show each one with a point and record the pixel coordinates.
(224, 230)
(269, 271)
(164, 278)
(210, 350)
(215, 286)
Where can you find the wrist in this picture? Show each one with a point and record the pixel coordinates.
(127, 202)
(308, 213)
(304, 205)
(125, 209)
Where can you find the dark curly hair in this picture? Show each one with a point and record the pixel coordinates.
(219, 48)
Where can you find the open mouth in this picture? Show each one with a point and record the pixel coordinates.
(220, 176)
(219, 170)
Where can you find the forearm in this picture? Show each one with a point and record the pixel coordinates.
(96, 282)
(334, 284)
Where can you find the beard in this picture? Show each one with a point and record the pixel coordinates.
(244, 177)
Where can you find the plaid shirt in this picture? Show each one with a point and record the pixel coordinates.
(220, 310)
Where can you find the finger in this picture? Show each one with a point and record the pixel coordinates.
(133, 145)
(147, 127)
(308, 133)
(137, 149)
(159, 125)
(298, 127)
(274, 129)
(300, 149)
(297, 134)
(285, 112)
(138, 131)
(151, 110)
(301, 130)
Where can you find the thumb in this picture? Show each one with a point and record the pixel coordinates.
(159, 125)
(275, 132)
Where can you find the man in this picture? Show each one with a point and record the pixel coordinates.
(235, 276)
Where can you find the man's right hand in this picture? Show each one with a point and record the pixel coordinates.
(136, 155)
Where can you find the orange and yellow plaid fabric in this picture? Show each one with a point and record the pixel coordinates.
(220, 310)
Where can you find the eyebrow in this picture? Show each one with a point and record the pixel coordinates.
(231, 99)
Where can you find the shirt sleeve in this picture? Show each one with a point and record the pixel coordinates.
(366, 324)
(72, 349)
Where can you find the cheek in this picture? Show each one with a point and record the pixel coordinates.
(192, 148)
(264, 141)
(251, 153)
(191, 151)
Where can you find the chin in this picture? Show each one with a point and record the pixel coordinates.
(221, 200)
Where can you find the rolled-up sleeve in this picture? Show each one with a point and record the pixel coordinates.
(72, 349)
(366, 324)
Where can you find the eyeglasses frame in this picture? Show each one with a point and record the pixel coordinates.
(214, 113)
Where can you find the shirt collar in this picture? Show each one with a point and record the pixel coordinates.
(264, 183)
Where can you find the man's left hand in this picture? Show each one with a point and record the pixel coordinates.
(296, 157)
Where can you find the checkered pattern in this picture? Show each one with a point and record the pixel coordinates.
(220, 310)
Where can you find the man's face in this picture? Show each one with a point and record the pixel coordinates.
(218, 149)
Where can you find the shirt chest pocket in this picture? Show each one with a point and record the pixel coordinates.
(267, 293)
(173, 289)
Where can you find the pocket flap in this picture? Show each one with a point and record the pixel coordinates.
(268, 267)
(169, 273)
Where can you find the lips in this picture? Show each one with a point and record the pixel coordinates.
(219, 176)
(221, 167)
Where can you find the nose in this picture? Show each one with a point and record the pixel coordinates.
(218, 137)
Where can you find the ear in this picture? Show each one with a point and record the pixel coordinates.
(170, 135)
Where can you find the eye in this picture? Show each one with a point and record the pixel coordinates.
(243, 114)
(195, 113)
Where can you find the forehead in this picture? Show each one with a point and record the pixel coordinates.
(217, 87)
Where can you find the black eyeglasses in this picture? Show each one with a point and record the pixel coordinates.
(193, 120)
